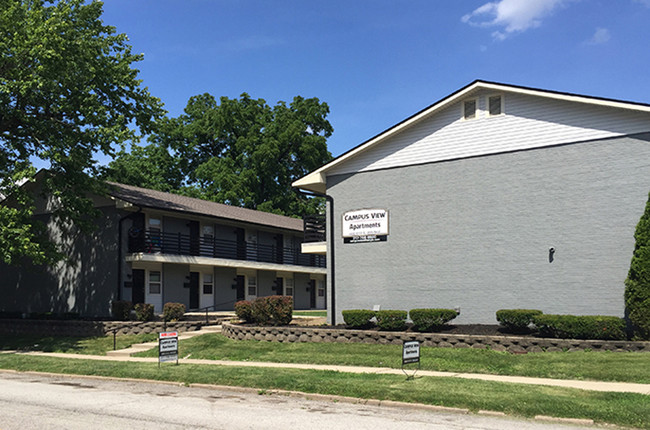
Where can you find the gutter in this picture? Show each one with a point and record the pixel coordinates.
(332, 276)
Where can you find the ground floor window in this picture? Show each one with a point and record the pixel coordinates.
(252, 286)
(288, 287)
(154, 282)
(208, 284)
(321, 288)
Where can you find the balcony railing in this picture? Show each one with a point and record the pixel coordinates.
(151, 242)
(314, 228)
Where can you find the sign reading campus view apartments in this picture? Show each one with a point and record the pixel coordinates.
(365, 225)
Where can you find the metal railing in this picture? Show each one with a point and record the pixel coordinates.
(152, 241)
(314, 228)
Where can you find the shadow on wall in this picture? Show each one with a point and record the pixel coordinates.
(84, 282)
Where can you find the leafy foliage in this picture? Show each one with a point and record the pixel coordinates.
(121, 309)
(173, 311)
(517, 320)
(637, 284)
(431, 319)
(144, 311)
(242, 152)
(274, 310)
(358, 318)
(391, 320)
(580, 327)
(244, 310)
(67, 91)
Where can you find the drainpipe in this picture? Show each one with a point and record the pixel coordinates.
(119, 252)
(330, 200)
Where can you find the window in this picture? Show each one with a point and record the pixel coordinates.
(252, 286)
(154, 233)
(154, 282)
(321, 288)
(495, 105)
(288, 287)
(469, 109)
(207, 284)
(208, 231)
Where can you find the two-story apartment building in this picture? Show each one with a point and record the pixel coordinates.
(155, 247)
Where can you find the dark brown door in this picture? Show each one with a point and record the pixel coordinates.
(279, 249)
(195, 246)
(241, 244)
(241, 285)
(279, 286)
(312, 294)
(136, 233)
(194, 290)
(137, 292)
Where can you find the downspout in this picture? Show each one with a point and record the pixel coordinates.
(330, 200)
(119, 252)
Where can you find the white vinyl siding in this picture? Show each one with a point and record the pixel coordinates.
(528, 122)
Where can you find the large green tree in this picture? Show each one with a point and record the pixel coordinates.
(68, 92)
(637, 284)
(241, 152)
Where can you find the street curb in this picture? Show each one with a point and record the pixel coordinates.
(315, 397)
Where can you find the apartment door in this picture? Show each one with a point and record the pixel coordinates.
(137, 292)
(241, 287)
(312, 294)
(195, 246)
(194, 290)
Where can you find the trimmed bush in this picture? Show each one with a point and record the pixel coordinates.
(244, 311)
(581, 327)
(143, 311)
(358, 318)
(173, 311)
(261, 311)
(121, 309)
(431, 319)
(517, 320)
(281, 309)
(391, 320)
(637, 284)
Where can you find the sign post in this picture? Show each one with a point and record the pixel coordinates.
(167, 347)
(410, 354)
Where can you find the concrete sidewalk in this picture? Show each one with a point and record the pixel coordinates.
(125, 355)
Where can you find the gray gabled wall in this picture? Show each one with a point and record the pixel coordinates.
(475, 233)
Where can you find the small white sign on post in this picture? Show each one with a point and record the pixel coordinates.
(411, 354)
(168, 347)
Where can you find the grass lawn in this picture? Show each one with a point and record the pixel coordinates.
(74, 345)
(522, 400)
(588, 365)
(310, 313)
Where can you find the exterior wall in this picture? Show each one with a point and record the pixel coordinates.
(475, 233)
(225, 294)
(265, 283)
(174, 279)
(528, 122)
(84, 284)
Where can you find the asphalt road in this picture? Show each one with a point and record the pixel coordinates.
(29, 401)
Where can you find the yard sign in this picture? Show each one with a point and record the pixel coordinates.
(168, 347)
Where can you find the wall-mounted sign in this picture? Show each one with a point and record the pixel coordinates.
(365, 225)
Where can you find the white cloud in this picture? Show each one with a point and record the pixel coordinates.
(511, 15)
(602, 35)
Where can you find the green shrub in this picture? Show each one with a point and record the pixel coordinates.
(358, 318)
(173, 311)
(143, 311)
(637, 284)
(431, 319)
(581, 327)
(281, 309)
(261, 311)
(243, 310)
(121, 309)
(517, 320)
(391, 320)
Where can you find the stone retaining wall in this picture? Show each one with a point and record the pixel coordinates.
(91, 328)
(513, 344)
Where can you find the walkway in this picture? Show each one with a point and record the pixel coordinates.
(125, 355)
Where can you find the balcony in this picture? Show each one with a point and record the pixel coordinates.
(156, 242)
(314, 228)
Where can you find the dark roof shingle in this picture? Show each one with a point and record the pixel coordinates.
(153, 199)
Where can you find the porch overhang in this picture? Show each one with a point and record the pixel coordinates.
(141, 257)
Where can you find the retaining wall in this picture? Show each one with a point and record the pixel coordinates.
(513, 344)
(91, 328)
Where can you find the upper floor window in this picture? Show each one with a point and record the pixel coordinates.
(495, 105)
(469, 109)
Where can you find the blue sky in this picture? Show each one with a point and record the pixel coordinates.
(378, 62)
